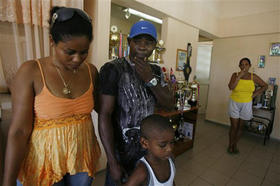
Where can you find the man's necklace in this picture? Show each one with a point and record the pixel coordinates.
(66, 90)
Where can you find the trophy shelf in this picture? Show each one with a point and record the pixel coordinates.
(189, 116)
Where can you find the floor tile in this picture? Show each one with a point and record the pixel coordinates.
(233, 182)
(99, 179)
(215, 178)
(200, 182)
(275, 167)
(273, 176)
(253, 169)
(268, 182)
(246, 178)
(184, 177)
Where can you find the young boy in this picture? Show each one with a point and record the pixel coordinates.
(156, 168)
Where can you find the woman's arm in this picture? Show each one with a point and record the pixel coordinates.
(22, 121)
(261, 83)
(234, 80)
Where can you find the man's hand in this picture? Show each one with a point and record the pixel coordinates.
(117, 172)
(143, 69)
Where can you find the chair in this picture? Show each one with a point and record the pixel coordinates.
(264, 107)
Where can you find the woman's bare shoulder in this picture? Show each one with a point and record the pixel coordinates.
(92, 67)
(29, 66)
(234, 74)
(26, 72)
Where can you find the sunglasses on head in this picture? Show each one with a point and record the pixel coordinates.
(64, 14)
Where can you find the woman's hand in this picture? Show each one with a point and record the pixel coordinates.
(241, 74)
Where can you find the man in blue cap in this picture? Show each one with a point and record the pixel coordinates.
(130, 89)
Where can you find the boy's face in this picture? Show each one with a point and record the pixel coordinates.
(160, 145)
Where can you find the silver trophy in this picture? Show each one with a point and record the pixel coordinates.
(184, 94)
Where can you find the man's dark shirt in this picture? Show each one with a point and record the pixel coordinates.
(134, 101)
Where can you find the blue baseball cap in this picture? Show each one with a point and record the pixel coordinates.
(143, 27)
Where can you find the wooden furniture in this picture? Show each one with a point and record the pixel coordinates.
(189, 116)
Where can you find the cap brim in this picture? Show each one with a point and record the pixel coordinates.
(143, 33)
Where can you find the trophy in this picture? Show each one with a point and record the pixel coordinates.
(114, 38)
(188, 95)
(159, 49)
(195, 92)
(267, 97)
(184, 94)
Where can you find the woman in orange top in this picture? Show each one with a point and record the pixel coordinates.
(51, 140)
(242, 85)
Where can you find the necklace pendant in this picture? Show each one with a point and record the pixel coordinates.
(66, 91)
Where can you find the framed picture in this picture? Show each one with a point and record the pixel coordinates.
(181, 59)
(261, 62)
(186, 130)
(275, 49)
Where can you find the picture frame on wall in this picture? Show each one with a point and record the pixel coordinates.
(274, 49)
(181, 59)
(261, 62)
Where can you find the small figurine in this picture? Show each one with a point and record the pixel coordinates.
(187, 67)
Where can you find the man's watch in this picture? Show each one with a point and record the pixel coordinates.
(152, 83)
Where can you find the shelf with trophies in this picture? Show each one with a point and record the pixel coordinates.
(118, 46)
(184, 116)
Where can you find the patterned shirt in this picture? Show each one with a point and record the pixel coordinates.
(134, 101)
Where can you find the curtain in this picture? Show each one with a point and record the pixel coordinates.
(24, 31)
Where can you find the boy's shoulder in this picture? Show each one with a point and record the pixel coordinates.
(139, 175)
(142, 171)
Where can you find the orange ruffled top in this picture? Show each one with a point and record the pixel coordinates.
(63, 139)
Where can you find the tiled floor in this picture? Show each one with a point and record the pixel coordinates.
(208, 163)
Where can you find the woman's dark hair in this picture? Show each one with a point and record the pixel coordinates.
(68, 22)
(245, 58)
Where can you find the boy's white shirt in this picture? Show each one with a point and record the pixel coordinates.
(152, 181)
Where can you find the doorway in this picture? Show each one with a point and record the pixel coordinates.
(204, 51)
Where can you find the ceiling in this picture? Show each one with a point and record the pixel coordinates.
(221, 9)
(225, 9)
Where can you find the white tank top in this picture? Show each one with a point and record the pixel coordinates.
(152, 178)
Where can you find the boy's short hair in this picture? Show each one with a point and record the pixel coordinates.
(153, 123)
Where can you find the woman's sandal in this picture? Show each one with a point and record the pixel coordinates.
(235, 151)
(230, 150)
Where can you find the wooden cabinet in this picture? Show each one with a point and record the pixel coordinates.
(189, 116)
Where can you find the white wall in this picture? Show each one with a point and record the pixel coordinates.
(176, 36)
(264, 23)
(198, 14)
(225, 58)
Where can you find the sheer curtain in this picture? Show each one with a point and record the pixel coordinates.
(24, 32)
